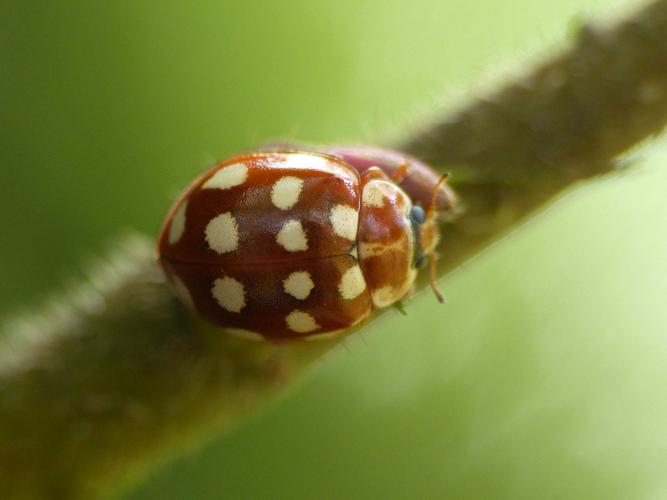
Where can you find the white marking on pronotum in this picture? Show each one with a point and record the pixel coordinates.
(229, 293)
(299, 284)
(301, 322)
(344, 220)
(292, 237)
(245, 334)
(352, 283)
(227, 177)
(177, 226)
(285, 192)
(222, 233)
(373, 195)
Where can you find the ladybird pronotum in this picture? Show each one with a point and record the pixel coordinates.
(301, 244)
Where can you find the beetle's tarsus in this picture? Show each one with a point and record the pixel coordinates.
(400, 307)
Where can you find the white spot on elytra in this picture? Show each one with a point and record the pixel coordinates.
(227, 177)
(373, 194)
(344, 220)
(222, 233)
(177, 226)
(229, 293)
(292, 237)
(301, 322)
(285, 192)
(352, 283)
(384, 296)
(240, 333)
(299, 284)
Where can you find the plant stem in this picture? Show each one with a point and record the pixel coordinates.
(563, 121)
(118, 378)
(115, 384)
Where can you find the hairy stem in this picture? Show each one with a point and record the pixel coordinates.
(562, 122)
(113, 383)
(119, 377)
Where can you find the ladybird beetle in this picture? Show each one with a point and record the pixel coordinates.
(284, 243)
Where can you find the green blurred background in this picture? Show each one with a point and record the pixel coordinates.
(544, 374)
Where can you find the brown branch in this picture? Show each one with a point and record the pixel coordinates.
(564, 121)
(105, 387)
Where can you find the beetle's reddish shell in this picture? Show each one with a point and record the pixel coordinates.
(294, 244)
(264, 243)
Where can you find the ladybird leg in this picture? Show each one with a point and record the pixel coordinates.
(432, 258)
(397, 177)
(374, 173)
(401, 172)
(400, 307)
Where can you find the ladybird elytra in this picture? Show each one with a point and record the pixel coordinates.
(294, 244)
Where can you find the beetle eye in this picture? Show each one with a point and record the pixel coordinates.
(417, 214)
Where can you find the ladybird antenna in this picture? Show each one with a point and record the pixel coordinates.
(430, 213)
(432, 258)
